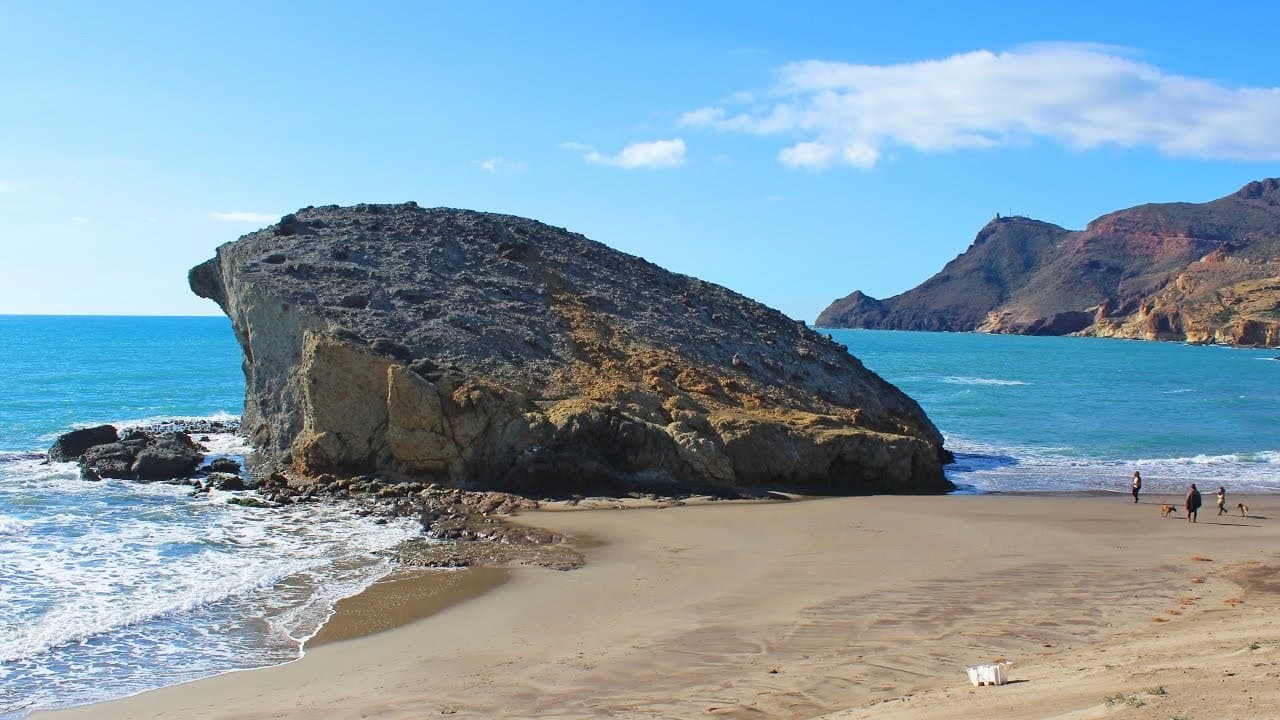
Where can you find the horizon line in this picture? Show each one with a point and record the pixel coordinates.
(106, 315)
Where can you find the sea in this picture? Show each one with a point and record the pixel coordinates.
(110, 588)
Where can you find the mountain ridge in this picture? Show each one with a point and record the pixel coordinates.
(1195, 272)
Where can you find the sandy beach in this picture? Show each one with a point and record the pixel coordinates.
(867, 607)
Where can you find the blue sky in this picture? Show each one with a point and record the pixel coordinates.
(793, 154)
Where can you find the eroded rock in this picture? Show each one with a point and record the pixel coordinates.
(70, 446)
(490, 352)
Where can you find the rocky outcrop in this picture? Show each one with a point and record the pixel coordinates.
(486, 351)
(1201, 273)
(70, 446)
(163, 451)
(172, 455)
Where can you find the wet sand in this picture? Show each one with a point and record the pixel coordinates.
(403, 597)
(840, 608)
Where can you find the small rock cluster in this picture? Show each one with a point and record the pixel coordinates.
(139, 454)
(445, 513)
(160, 452)
(460, 528)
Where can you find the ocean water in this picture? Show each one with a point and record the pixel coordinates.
(1029, 414)
(109, 588)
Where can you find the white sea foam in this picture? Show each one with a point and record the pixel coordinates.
(11, 526)
(988, 467)
(1261, 457)
(966, 380)
(220, 416)
(101, 580)
(225, 444)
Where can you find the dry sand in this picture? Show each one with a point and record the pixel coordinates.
(843, 608)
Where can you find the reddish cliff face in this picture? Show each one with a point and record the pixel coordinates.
(1203, 273)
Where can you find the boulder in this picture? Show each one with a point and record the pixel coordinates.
(491, 352)
(224, 465)
(172, 455)
(111, 460)
(252, 502)
(70, 446)
(225, 481)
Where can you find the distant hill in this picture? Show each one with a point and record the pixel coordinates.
(1203, 273)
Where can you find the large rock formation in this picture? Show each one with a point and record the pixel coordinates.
(1203, 273)
(488, 351)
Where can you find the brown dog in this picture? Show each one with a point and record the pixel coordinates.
(1166, 510)
(1244, 509)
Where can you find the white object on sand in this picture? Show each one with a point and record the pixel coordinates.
(989, 674)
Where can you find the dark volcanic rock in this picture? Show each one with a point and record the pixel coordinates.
(225, 465)
(1204, 273)
(140, 455)
(494, 352)
(112, 460)
(70, 446)
(172, 455)
(225, 481)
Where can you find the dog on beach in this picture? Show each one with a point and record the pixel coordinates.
(1244, 509)
(1166, 510)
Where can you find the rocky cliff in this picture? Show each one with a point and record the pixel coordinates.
(488, 351)
(1203, 273)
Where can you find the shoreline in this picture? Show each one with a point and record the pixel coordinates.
(404, 596)
(697, 605)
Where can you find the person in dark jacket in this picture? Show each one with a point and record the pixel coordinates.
(1193, 503)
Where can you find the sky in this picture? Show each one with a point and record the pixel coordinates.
(791, 153)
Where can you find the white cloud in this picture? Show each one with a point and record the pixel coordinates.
(244, 216)
(702, 117)
(652, 155)
(496, 165)
(1079, 95)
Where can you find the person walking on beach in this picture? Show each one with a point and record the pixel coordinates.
(1193, 503)
(1137, 485)
(1222, 500)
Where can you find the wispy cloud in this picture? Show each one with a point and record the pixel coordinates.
(497, 165)
(244, 216)
(1079, 95)
(6, 187)
(650, 155)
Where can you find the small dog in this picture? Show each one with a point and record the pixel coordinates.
(1166, 510)
(1244, 509)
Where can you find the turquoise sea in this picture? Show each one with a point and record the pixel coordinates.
(1081, 414)
(110, 588)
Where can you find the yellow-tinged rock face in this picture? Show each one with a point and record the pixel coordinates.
(344, 406)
